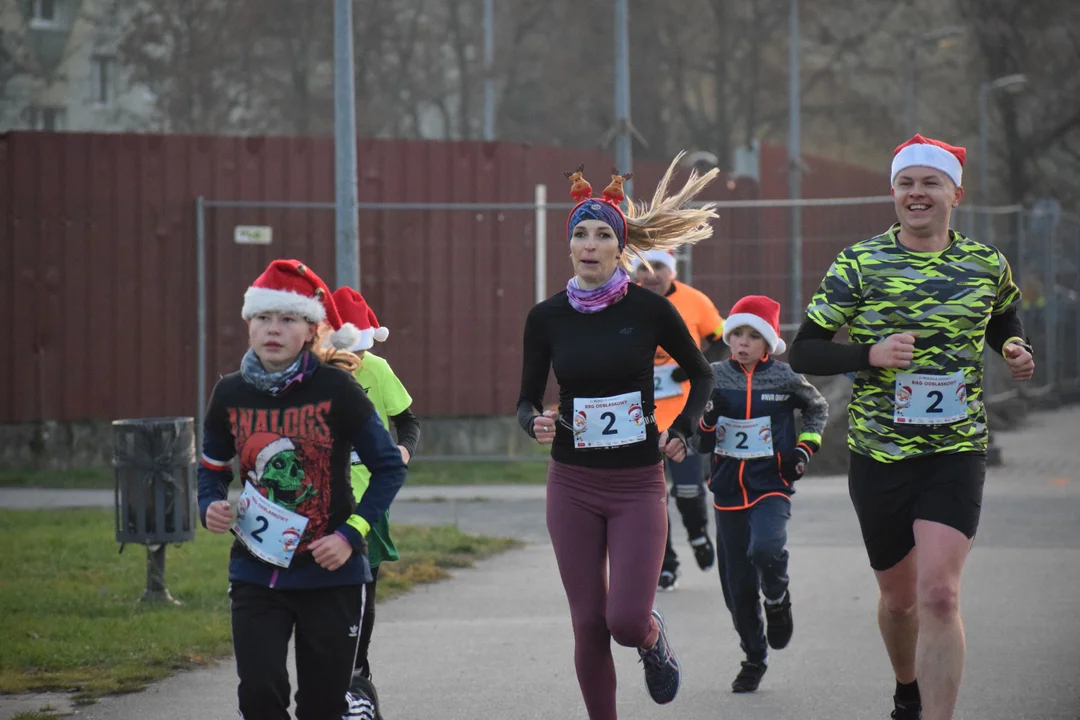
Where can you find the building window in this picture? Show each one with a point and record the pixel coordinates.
(50, 119)
(101, 79)
(43, 12)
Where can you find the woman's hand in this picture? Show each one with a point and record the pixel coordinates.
(544, 427)
(673, 447)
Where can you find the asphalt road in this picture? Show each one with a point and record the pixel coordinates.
(495, 642)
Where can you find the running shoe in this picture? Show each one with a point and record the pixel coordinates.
(662, 673)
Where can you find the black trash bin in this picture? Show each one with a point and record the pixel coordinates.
(154, 459)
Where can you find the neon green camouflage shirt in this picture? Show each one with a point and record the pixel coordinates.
(878, 287)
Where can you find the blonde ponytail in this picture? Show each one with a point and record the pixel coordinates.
(665, 223)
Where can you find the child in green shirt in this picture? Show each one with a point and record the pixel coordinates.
(391, 401)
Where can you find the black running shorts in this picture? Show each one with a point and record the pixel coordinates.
(890, 497)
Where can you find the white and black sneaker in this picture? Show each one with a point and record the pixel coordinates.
(363, 699)
(360, 707)
(669, 580)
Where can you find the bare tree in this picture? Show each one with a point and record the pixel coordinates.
(191, 55)
(1040, 127)
(13, 63)
(288, 62)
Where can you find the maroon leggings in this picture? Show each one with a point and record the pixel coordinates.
(598, 518)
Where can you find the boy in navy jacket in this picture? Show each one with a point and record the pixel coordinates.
(757, 454)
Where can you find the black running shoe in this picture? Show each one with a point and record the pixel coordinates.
(662, 673)
(779, 622)
(669, 580)
(906, 711)
(749, 676)
(704, 552)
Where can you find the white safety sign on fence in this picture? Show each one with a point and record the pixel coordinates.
(252, 234)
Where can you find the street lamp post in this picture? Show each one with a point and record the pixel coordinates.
(1007, 82)
(1012, 83)
(913, 45)
(795, 160)
(623, 127)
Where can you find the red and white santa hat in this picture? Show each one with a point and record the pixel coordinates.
(355, 310)
(656, 257)
(259, 448)
(289, 286)
(761, 313)
(924, 152)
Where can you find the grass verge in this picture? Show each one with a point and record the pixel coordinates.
(421, 473)
(70, 613)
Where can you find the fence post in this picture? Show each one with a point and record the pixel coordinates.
(541, 243)
(1049, 294)
(200, 285)
(687, 252)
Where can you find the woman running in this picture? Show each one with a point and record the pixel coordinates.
(606, 497)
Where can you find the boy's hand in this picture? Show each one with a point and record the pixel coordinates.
(219, 517)
(331, 551)
(793, 464)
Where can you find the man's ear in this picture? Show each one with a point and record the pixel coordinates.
(959, 196)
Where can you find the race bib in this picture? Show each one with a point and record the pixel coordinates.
(269, 532)
(663, 385)
(608, 422)
(923, 399)
(744, 439)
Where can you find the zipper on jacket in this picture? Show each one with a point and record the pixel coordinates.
(742, 463)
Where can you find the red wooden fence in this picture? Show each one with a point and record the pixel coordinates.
(98, 272)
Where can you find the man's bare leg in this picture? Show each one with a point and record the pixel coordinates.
(898, 617)
(939, 660)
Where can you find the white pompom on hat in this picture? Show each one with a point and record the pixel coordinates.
(356, 311)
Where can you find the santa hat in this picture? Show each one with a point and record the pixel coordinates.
(289, 286)
(355, 310)
(655, 257)
(924, 152)
(259, 448)
(762, 314)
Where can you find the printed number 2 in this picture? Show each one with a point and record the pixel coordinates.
(741, 445)
(656, 383)
(263, 524)
(937, 401)
(610, 417)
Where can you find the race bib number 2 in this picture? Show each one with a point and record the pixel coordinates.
(923, 399)
(664, 386)
(744, 439)
(608, 422)
(269, 532)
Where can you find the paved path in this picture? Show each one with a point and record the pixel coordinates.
(495, 642)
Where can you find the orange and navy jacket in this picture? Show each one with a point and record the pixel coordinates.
(771, 389)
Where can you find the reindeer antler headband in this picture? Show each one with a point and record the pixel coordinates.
(605, 209)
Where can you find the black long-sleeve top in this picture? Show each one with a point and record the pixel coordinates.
(605, 354)
(814, 353)
(407, 427)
